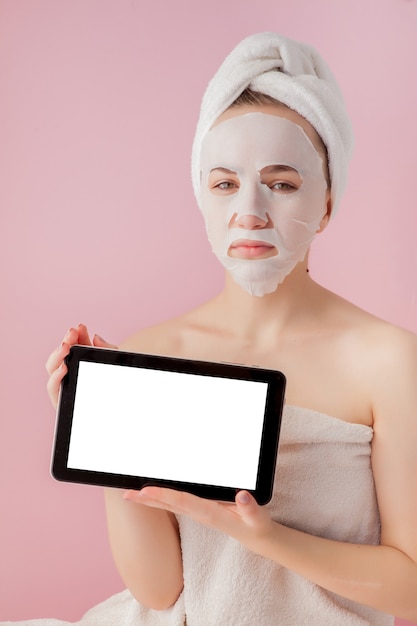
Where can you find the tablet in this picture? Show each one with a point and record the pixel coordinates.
(128, 420)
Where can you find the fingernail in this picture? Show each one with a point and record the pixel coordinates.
(101, 338)
(243, 497)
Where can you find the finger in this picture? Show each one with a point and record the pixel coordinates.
(83, 336)
(254, 516)
(57, 357)
(72, 337)
(54, 383)
(99, 342)
(168, 499)
(151, 494)
(202, 510)
(246, 505)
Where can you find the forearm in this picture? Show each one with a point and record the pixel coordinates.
(146, 549)
(379, 576)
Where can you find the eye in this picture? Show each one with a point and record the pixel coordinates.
(223, 181)
(283, 187)
(281, 179)
(225, 184)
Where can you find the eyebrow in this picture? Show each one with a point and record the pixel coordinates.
(224, 170)
(274, 169)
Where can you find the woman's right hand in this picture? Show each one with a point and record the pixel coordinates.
(55, 365)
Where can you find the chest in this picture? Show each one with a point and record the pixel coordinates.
(322, 374)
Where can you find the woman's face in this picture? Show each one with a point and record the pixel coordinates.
(264, 193)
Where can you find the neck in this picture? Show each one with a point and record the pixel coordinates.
(287, 307)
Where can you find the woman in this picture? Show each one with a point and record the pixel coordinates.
(337, 543)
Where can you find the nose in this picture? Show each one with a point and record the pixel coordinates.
(250, 208)
(248, 221)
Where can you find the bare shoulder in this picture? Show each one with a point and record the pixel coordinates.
(388, 345)
(381, 357)
(374, 349)
(386, 357)
(174, 336)
(179, 336)
(164, 338)
(393, 354)
(382, 340)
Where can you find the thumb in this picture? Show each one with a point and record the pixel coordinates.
(248, 508)
(257, 520)
(99, 342)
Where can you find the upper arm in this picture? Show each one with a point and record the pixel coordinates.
(394, 446)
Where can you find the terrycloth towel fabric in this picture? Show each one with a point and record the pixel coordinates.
(296, 75)
(323, 485)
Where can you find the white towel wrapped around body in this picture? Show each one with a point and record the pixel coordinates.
(292, 73)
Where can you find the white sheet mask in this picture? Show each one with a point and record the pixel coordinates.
(285, 218)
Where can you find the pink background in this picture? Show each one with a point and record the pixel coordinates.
(99, 225)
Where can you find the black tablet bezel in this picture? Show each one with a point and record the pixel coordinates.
(270, 433)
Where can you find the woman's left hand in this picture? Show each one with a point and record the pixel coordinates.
(244, 520)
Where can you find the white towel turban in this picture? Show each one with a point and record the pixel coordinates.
(296, 75)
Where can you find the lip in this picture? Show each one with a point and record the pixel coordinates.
(250, 248)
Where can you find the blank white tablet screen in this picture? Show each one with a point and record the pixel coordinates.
(167, 425)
